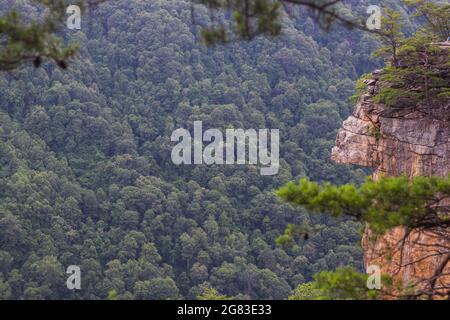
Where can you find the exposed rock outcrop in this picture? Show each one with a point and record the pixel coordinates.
(411, 141)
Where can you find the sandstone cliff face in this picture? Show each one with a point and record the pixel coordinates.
(394, 142)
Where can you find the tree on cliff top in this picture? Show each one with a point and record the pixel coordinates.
(392, 37)
(416, 71)
(436, 17)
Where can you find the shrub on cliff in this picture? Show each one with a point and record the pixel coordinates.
(417, 70)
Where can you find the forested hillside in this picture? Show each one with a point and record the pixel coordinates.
(86, 176)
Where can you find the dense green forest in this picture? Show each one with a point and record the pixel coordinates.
(86, 176)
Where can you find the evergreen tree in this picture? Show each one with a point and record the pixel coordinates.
(391, 37)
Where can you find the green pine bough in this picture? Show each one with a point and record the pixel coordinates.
(36, 40)
(419, 204)
(384, 204)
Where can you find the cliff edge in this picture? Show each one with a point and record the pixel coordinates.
(411, 141)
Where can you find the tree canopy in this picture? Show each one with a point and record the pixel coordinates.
(86, 177)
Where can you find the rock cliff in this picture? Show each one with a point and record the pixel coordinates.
(411, 141)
